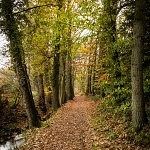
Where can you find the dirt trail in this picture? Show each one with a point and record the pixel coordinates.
(70, 129)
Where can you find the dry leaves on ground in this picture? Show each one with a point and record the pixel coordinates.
(69, 130)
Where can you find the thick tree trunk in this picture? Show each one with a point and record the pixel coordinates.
(69, 71)
(55, 78)
(41, 94)
(138, 106)
(16, 51)
(56, 62)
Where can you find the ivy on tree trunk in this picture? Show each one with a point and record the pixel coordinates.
(16, 52)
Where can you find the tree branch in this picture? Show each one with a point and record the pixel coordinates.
(31, 8)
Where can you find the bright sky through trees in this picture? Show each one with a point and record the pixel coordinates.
(4, 59)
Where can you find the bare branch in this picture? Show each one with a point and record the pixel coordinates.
(31, 8)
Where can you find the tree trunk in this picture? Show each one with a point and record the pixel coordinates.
(55, 78)
(94, 70)
(138, 105)
(89, 78)
(41, 94)
(48, 100)
(47, 72)
(69, 82)
(1, 91)
(16, 51)
(56, 62)
(62, 78)
(69, 71)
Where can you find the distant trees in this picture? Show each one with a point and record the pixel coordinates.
(122, 28)
(62, 84)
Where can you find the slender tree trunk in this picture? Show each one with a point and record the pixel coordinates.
(47, 70)
(62, 78)
(89, 78)
(1, 91)
(69, 82)
(138, 105)
(16, 50)
(48, 100)
(62, 90)
(41, 94)
(94, 70)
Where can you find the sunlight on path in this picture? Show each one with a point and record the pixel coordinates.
(70, 129)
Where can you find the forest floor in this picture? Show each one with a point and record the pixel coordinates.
(69, 129)
(72, 128)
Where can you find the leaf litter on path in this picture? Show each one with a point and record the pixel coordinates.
(69, 129)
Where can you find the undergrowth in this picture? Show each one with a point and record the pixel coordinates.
(112, 124)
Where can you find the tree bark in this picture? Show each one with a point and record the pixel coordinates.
(56, 62)
(41, 94)
(69, 71)
(1, 91)
(138, 105)
(94, 69)
(62, 78)
(55, 78)
(69, 82)
(16, 51)
(89, 78)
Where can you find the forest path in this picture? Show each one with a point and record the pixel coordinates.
(70, 128)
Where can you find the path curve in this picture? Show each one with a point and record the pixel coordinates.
(70, 129)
